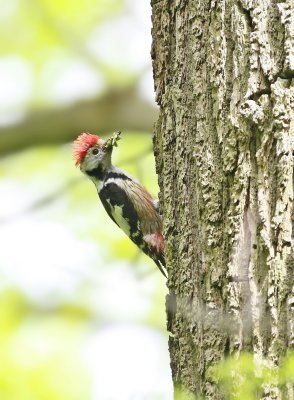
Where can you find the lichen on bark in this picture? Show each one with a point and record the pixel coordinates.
(224, 143)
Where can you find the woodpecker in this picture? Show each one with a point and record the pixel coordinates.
(125, 200)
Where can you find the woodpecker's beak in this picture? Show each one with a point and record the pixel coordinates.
(108, 150)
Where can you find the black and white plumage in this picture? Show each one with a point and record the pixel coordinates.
(125, 200)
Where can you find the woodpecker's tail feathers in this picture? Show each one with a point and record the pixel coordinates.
(154, 247)
(160, 262)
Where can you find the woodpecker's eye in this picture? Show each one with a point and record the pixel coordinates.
(95, 151)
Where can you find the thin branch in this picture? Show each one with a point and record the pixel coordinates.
(42, 201)
(56, 194)
(116, 110)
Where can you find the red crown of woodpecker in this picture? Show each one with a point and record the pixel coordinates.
(82, 144)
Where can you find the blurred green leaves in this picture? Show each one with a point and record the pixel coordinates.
(36, 354)
(247, 377)
(77, 16)
(54, 53)
(33, 27)
(237, 376)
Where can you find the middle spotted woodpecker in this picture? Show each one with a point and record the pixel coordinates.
(127, 202)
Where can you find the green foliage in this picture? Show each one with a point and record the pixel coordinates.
(33, 27)
(245, 377)
(238, 379)
(37, 356)
(181, 393)
(286, 371)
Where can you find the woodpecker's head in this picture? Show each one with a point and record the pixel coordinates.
(91, 152)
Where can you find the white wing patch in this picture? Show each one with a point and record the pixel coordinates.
(117, 214)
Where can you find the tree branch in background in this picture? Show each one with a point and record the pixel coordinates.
(116, 110)
(48, 198)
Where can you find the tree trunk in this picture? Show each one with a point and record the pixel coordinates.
(224, 146)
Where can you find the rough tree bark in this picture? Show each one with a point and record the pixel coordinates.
(224, 144)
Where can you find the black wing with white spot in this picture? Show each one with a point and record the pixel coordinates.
(121, 211)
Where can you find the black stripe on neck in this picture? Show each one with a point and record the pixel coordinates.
(116, 175)
(98, 173)
(104, 175)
